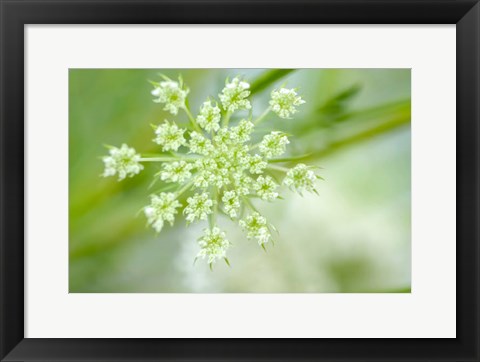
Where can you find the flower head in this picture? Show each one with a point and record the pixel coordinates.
(177, 171)
(209, 117)
(214, 245)
(273, 144)
(301, 178)
(198, 208)
(170, 136)
(124, 161)
(234, 95)
(219, 169)
(284, 101)
(170, 93)
(162, 208)
(256, 227)
(231, 203)
(265, 187)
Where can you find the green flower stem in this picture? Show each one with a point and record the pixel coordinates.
(212, 218)
(184, 188)
(159, 159)
(226, 119)
(215, 205)
(289, 159)
(262, 116)
(175, 157)
(249, 204)
(211, 221)
(267, 78)
(254, 146)
(192, 120)
(278, 168)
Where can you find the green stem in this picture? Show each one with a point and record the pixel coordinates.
(249, 204)
(289, 159)
(175, 157)
(212, 218)
(226, 119)
(184, 188)
(192, 120)
(262, 116)
(254, 146)
(278, 168)
(215, 204)
(158, 159)
(361, 136)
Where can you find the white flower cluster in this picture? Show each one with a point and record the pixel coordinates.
(209, 117)
(177, 171)
(170, 93)
(234, 95)
(199, 207)
(274, 144)
(163, 207)
(256, 227)
(284, 102)
(215, 165)
(265, 187)
(169, 136)
(301, 177)
(124, 161)
(213, 245)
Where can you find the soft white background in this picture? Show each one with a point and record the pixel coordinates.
(429, 311)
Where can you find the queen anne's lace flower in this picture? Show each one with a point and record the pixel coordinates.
(177, 171)
(169, 136)
(256, 227)
(283, 102)
(273, 144)
(162, 208)
(301, 178)
(199, 207)
(124, 161)
(209, 117)
(231, 203)
(214, 245)
(172, 94)
(234, 95)
(265, 187)
(219, 169)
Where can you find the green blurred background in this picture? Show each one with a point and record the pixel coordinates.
(353, 237)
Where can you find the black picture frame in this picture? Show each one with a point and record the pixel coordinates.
(15, 14)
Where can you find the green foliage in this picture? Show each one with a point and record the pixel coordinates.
(268, 78)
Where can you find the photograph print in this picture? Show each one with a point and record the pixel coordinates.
(239, 180)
